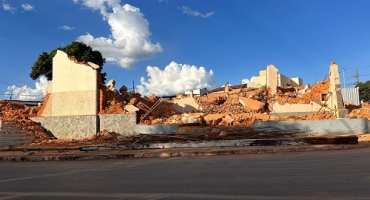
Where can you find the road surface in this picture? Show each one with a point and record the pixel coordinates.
(304, 175)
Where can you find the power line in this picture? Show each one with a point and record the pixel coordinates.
(20, 94)
(356, 67)
(5, 83)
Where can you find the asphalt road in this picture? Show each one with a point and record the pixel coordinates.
(304, 175)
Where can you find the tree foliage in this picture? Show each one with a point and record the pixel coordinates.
(81, 51)
(364, 90)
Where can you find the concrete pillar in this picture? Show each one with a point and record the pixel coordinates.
(272, 78)
(336, 100)
(227, 87)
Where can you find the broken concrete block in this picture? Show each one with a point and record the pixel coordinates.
(111, 85)
(251, 104)
(233, 99)
(213, 119)
(186, 120)
(185, 105)
(192, 118)
(93, 65)
(227, 120)
(216, 99)
(304, 90)
(131, 108)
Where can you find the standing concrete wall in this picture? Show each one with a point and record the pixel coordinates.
(84, 126)
(272, 78)
(123, 124)
(67, 127)
(74, 88)
(335, 126)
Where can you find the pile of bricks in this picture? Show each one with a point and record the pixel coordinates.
(16, 125)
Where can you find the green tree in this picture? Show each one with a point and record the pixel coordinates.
(81, 51)
(364, 90)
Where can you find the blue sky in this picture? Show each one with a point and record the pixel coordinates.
(171, 46)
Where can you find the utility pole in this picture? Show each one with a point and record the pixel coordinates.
(356, 76)
(133, 86)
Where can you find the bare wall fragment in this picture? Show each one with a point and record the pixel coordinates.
(185, 105)
(335, 100)
(74, 89)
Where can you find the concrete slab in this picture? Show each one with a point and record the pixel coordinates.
(156, 129)
(224, 143)
(335, 126)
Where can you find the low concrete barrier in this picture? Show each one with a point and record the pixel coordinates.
(65, 127)
(123, 124)
(334, 126)
(156, 129)
(84, 126)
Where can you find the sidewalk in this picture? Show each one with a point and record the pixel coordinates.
(70, 154)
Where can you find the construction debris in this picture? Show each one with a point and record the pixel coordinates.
(362, 111)
(19, 115)
(225, 113)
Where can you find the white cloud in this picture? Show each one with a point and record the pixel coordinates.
(187, 10)
(244, 81)
(175, 78)
(28, 7)
(27, 93)
(66, 28)
(129, 40)
(9, 8)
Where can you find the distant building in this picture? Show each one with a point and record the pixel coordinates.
(27, 103)
(267, 76)
(198, 92)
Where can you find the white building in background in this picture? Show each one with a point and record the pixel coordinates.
(198, 92)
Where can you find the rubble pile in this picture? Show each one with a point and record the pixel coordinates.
(20, 114)
(110, 100)
(301, 95)
(239, 101)
(240, 106)
(361, 112)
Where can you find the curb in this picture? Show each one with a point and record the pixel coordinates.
(75, 155)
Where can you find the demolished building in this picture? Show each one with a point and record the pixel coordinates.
(79, 105)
